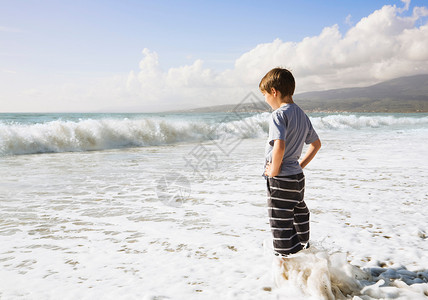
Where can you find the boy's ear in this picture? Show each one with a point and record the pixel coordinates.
(273, 92)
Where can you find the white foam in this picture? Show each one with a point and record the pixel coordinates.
(89, 134)
(90, 225)
(338, 121)
(99, 134)
(318, 274)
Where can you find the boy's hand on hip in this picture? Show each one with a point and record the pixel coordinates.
(274, 168)
(269, 172)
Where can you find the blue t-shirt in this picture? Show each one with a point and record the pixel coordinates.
(291, 124)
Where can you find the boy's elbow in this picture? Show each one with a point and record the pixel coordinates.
(317, 144)
(280, 144)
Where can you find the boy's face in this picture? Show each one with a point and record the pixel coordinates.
(275, 99)
(270, 99)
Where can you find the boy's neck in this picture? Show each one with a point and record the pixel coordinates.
(289, 100)
(285, 101)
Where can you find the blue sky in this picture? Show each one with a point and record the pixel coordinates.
(53, 48)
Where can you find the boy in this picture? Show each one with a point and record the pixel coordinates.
(289, 128)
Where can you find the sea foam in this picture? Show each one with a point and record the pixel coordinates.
(92, 134)
(340, 121)
(110, 133)
(329, 276)
(319, 274)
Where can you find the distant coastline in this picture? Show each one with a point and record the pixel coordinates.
(307, 107)
(400, 95)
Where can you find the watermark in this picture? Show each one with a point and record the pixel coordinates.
(239, 123)
(203, 159)
(173, 189)
(226, 139)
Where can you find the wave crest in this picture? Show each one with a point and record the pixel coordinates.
(89, 134)
(335, 122)
(99, 134)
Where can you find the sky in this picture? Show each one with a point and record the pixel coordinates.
(149, 56)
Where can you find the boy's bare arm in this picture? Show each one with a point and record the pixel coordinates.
(310, 153)
(274, 168)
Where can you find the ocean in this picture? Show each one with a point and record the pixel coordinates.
(173, 206)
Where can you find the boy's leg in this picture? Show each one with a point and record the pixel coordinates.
(301, 222)
(301, 216)
(283, 196)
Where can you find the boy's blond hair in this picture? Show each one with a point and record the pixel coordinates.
(280, 79)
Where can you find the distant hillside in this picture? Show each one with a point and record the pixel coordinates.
(404, 94)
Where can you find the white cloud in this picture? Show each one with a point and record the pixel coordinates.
(384, 45)
(406, 6)
(8, 71)
(348, 20)
(10, 29)
(379, 47)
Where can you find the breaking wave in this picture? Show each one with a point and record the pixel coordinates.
(90, 134)
(339, 121)
(110, 133)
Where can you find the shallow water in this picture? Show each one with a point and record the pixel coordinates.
(98, 223)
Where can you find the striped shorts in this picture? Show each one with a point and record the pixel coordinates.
(288, 214)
